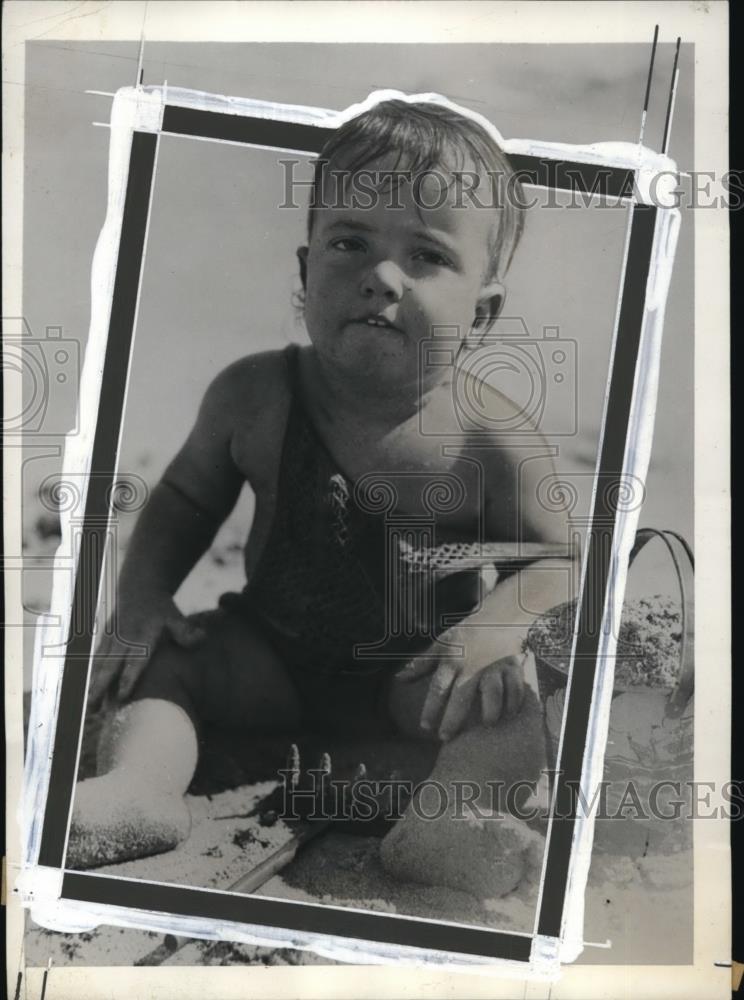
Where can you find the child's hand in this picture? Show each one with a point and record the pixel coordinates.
(490, 675)
(117, 666)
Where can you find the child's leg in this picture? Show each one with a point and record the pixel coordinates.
(136, 808)
(458, 833)
(149, 752)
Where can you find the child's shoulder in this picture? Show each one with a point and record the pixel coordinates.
(262, 371)
(491, 419)
(246, 405)
(517, 463)
(251, 385)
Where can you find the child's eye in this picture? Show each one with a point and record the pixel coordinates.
(433, 257)
(347, 243)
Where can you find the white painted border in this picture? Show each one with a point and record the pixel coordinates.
(635, 468)
(655, 172)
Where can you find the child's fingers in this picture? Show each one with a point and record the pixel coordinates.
(129, 677)
(461, 697)
(437, 695)
(420, 667)
(108, 660)
(102, 677)
(185, 633)
(513, 689)
(492, 695)
(105, 647)
(134, 664)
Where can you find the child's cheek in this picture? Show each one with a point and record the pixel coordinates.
(447, 308)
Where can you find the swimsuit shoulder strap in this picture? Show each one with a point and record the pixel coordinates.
(297, 419)
(300, 422)
(292, 359)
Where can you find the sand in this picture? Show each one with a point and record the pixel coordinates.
(641, 901)
(648, 645)
(225, 842)
(643, 905)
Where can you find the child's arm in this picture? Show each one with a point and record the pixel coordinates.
(186, 508)
(491, 670)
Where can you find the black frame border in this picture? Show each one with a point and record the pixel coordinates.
(302, 917)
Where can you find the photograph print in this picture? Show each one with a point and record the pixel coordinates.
(369, 535)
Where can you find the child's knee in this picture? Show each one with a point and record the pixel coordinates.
(171, 674)
(232, 678)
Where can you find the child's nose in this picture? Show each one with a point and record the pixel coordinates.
(385, 279)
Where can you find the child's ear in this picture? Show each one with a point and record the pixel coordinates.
(302, 260)
(488, 307)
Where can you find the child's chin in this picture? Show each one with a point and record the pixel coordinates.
(381, 361)
(374, 332)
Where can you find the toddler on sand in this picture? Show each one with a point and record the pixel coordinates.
(335, 439)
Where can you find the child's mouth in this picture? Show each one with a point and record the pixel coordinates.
(377, 322)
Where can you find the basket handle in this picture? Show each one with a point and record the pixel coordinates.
(684, 565)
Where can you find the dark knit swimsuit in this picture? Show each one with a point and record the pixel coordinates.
(327, 581)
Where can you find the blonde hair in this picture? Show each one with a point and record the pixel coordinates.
(423, 136)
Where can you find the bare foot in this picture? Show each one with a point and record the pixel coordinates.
(486, 854)
(108, 827)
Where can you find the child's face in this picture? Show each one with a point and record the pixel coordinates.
(379, 278)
